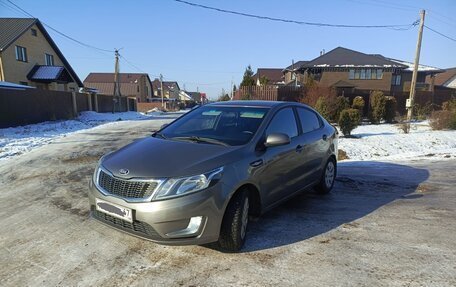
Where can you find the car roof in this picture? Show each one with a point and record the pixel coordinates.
(264, 104)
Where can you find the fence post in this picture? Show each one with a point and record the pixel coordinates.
(89, 101)
(96, 102)
(75, 105)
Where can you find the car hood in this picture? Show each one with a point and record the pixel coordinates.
(158, 158)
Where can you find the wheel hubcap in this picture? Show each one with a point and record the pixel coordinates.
(329, 174)
(245, 217)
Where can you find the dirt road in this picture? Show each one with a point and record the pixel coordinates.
(385, 224)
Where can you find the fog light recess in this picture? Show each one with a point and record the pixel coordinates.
(191, 229)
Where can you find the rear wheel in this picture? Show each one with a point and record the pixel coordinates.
(328, 177)
(235, 221)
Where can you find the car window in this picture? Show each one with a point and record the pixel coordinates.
(230, 125)
(283, 122)
(309, 120)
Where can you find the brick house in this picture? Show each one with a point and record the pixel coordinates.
(132, 85)
(347, 69)
(29, 56)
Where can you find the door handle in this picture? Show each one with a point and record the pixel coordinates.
(299, 148)
(256, 163)
(324, 137)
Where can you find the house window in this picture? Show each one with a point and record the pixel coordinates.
(368, 74)
(374, 74)
(351, 74)
(21, 54)
(137, 89)
(293, 76)
(363, 74)
(49, 59)
(379, 74)
(34, 33)
(357, 74)
(396, 80)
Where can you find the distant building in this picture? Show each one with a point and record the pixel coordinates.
(273, 76)
(171, 89)
(345, 68)
(446, 79)
(29, 56)
(199, 98)
(137, 85)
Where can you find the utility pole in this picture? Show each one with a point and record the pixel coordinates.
(116, 99)
(161, 88)
(411, 99)
(232, 89)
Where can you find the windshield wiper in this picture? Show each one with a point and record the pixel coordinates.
(201, 140)
(159, 135)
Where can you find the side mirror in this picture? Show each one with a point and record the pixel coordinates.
(277, 139)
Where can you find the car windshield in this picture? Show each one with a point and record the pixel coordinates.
(217, 125)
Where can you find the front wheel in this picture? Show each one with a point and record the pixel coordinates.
(328, 177)
(235, 221)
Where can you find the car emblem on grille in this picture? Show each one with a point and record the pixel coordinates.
(124, 171)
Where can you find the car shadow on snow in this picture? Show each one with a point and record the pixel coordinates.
(360, 189)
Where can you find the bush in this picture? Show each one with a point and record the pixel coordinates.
(422, 112)
(322, 107)
(358, 103)
(377, 103)
(449, 105)
(440, 120)
(342, 103)
(349, 120)
(390, 109)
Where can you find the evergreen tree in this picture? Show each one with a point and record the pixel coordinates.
(248, 79)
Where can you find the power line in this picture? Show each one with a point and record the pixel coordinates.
(441, 34)
(291, 21)
(60, 33)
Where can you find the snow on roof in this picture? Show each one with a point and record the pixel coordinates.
(421, 68)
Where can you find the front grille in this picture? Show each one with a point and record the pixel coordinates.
(138, 227)
(125, 188)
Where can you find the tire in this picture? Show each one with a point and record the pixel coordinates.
(234, 223)
(328, 177)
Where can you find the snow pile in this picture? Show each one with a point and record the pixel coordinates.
(387, 142)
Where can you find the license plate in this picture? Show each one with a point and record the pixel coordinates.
(114, 210)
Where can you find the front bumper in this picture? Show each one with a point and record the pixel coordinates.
(159, 220)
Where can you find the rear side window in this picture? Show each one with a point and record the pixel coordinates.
(309, 120)
(283, 122)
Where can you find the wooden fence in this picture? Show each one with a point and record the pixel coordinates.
(297, 94)
(22, 107)
(270, 93)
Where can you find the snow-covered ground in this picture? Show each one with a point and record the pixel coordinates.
(19, 140)
(369, 142)
(388, 142)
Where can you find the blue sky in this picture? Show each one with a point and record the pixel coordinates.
(207, 50)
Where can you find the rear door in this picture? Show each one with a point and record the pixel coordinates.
(278, 175)
(314, 146)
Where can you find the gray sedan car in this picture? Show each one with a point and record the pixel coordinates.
(199, 179)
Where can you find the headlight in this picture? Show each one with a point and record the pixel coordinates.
(183, 185)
